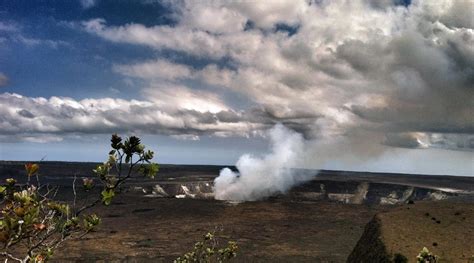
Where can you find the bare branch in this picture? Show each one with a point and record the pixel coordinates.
(88, 206)
(74, 192)
(10, 256)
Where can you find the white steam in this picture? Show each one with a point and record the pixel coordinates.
(260, 177)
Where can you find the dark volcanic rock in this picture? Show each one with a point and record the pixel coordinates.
(370, 247)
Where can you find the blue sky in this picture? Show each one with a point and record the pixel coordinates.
(371, 85)
(66, 61)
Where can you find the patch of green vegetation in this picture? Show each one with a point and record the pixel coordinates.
(425, 256)
(208, 250)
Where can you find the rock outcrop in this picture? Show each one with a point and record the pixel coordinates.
(370, 247)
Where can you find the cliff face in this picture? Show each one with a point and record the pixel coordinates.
(350, 192)
(370, 247)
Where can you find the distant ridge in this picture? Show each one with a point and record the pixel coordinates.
(59, 170)
(320, 171)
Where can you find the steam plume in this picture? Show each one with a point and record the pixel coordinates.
(260, 177)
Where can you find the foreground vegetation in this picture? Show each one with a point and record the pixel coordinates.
(33, 223)
(208, 250)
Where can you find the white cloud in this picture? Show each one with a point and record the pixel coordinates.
(36, 41)
(170, 110)
(267, 15)
(14, 34)
(171, 96)
(178, 38)
(42, 138)
(186, 137)
(347, 68)
(212, 18)
(88, 3)
(156, 69)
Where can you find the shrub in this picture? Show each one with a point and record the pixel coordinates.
(425, 256)
(208, 251)
(33, 223)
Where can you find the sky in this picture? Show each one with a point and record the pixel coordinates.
(372, 85)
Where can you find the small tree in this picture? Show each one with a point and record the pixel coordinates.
(33, 223)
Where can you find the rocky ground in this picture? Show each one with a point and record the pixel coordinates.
(140, 229)
(446, 228)
(337, 217)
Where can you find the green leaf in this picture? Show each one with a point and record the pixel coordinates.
(107, 196)
(87, 183)
(112, 159)
(149, 170)
(148, 155)
(2, 189)
(132, 145)
(102, 169)
(140, 148)
(116, 141)
(91, 221)
(11, 181)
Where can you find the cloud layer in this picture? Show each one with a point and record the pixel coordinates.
(331, 70)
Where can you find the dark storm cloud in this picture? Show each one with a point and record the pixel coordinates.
(363, 57)
(26, 114)
(228, 116)
(402, 140)
(425, 76)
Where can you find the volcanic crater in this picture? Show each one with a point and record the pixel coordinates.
(338, 216)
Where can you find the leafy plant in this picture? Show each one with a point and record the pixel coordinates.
(425, 256)
(208, 251)
(33, 223)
